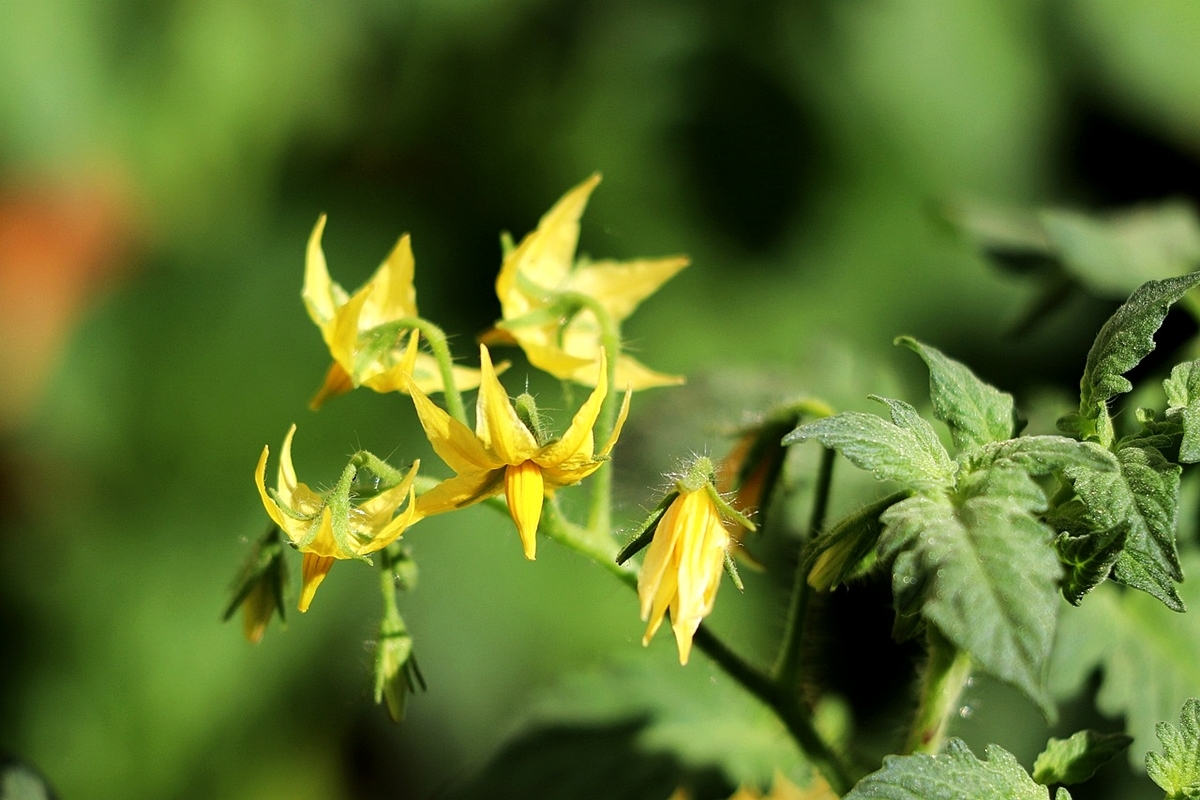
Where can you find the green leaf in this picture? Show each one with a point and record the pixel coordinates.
(1112, 254)
(982, 568)
(1141, 497)
(1183, 401)
(954, 775)
(905, 450)
(1124, 341)
(1076, 759)
(1043, 455)
(1087, 558)
(975, 412)
(1177, 770)
(1148, 655)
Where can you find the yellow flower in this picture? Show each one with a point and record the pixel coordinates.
(683, 565)
(363, 353)
(307, 518)
(540, 274)
(505, 455)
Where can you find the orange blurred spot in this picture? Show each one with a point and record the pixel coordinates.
(59, 245)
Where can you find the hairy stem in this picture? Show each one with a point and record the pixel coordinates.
(600, 509)
(440, 348)
(787, 667)
(946, 675)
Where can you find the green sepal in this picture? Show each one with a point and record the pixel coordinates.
(1124, 340)
(374, 345)
(1177, 769)
(1183, 408)
(398, 559)
(905, 450)
(396, 672)
(1077, 758)
(732, 571)
(644, 533)
(727, 511)
(955, 774)
(975, 412)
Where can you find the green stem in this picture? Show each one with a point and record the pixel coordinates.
(439, 346)
(600, 549)
(780, 697)
(786, 704)
(600, 508)
(598, 545)
(946, 675)
(787, 667)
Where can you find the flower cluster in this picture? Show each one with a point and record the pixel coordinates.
(565, 314)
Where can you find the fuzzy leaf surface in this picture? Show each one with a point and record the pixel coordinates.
(1125, 339)
(1042, 455)
(983, 569)
(1077, 758)
(975, 412)
(1142, 497)
(1183, 407)
(1149, 656)
(1177, 768)
(953, 775)
(905, 450)
(1087, 558)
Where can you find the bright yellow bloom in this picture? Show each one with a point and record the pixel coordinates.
(536, 281)
(683, 565)
(307, 519)
(347, 321)
(504, 455)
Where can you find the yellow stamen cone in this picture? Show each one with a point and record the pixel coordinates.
(524, 489)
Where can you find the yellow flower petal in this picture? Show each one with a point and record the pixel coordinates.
(454, 442)
(286, 482)
(525, 491)
(272, 509)
(577, 442)
(497, 425)
(313, 569)
(461, 491)
(341, 336)
(620, 286)
(320, 295)
(337, 381)
(544, 256)
(682, 567)
(393, 296)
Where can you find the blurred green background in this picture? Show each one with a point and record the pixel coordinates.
(161, 166)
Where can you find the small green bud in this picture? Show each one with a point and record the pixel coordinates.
(396, 671)
(527, 411)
